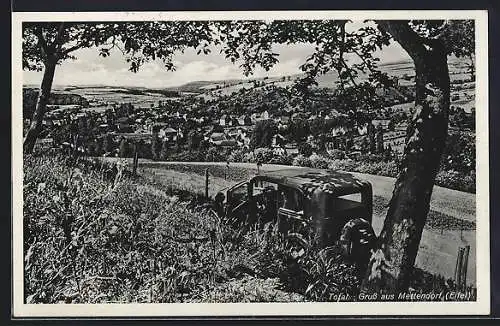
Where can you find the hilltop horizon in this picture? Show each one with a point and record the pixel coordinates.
(208, 81)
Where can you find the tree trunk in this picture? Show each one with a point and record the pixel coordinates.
(392, 263)
(41, 105)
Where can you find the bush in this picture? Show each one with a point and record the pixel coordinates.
(187, 156)
(459, 153)
(237, 155)
(318, 161)
(336, 154)
(263, 155)
(456, 180)
(249, 157)
(281, 159)
(344, 165)
(301, 160)
(214, 155)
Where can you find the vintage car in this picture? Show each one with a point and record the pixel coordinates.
(325, 206)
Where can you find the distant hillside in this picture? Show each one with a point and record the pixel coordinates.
(403, 69)
(327, 80)
(199, 86)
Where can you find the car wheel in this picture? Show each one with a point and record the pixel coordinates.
(357, 239)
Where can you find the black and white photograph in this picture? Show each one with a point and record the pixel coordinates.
(288, 163)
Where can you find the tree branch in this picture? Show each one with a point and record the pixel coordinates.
(351, 77)
(341, 52)
(364, 60)
(57, 40)
(73, 48)
(114, 45)
(41, 41)
(404, 35)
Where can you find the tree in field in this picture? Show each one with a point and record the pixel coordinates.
(47, 44)
(262, 134)
(98, 146)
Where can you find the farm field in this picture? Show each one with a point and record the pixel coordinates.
(450, 212)
(98, 94)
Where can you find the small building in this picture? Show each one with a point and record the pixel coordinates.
(168, 134)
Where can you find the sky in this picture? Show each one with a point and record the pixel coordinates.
(91, 69)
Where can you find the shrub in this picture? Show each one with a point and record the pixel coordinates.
(301, 160)
(344, 165)
(336, 154)
(249, 157)
(263, 155)
(457, 180)
(281, 159)
(318, 161)
(187, 156)
(237, 155)
(214, 155)
(459, 153)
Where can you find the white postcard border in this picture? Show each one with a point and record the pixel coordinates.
(480, 307)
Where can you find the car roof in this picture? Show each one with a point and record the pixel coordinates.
(308, 180)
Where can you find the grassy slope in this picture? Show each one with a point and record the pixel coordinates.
(92, 237)
(128, 241)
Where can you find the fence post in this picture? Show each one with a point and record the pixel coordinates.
(206, 183)
(465, 263)
(458, 266)
(136, 160)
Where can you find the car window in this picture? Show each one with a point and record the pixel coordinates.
(290, 199)
(261, 186)
(346, 202)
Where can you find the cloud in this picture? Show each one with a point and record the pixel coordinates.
(90, 69)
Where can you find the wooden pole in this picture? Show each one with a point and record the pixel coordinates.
(136, 160)
(458, 266)
(206, 183)
(465, 264)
